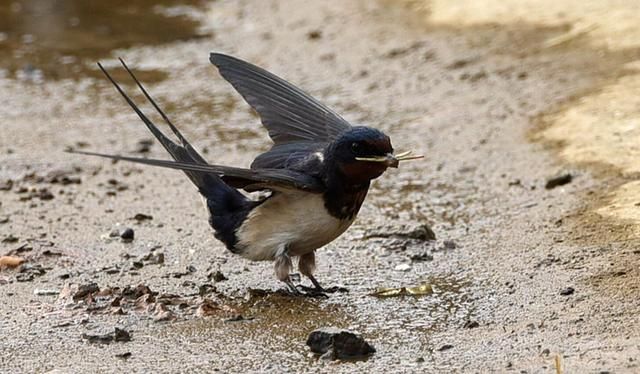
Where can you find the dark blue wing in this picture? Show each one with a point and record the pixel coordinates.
(295, 156)
(289, 114)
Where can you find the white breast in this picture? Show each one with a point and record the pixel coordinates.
(293, 219)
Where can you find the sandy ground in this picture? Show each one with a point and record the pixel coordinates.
(499, 95)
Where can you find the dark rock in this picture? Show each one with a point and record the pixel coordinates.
(422, 257)
(458, 64)
(85, 290)
(6, 185)
(419, 232)
(118, 335)
(144, 146)
(567, 291)
(121, 335)
(139, 290)
(98, 338)
(237, 318)
(445, 347)
(338, 343)
(206, 289)
(154, 258)
(217, 276)
(471, 324)
(10, 239)
(4, 219)
(449, 244)
(45, 194)
(314, 35)
(142, 217)
(127, 234)
(124, 355)
(560, 180)
(27, 272)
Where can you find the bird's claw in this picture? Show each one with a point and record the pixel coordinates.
(312, 291)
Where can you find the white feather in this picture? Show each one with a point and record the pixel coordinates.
(296, 220)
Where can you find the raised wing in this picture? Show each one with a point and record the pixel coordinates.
(289, 114)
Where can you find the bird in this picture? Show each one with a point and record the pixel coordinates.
(311, 183)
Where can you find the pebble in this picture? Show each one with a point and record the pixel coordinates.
(403, 267)
(127, 234)
(333, 343)
(560, 180)
(217, 276)
(567, 291)
(46, 292)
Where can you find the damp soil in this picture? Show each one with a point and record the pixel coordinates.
(467, 96)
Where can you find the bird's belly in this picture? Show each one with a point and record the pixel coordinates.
(297, 221)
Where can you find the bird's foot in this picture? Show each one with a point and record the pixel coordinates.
(313, 291)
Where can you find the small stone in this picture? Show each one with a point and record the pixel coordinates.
(144, 146)
(124, 355)
(403, 267)
(449, 244)
(471, 325)
(314, 35)
(127, 234)
(85, 290)
(46, 292)
(342, 344)
(560, 180)
(162, 314)
(10, 261)
(206, 289)
(445, 347)
(567, 291)
(207, 308)
(121, 335)
(6, 185)
(237, 318)
(118, 335)
(154, 258)
(217, 276)
(422, 257)
(10, 239)
(142, 217)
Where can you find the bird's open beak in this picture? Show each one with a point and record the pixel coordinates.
(390, 159)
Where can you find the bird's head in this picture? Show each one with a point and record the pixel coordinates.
(362, 154)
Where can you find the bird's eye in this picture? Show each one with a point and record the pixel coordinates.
(355, 146)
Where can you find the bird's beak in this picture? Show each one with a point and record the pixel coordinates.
(390, 160)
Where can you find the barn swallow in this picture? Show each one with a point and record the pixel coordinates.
(316, 174)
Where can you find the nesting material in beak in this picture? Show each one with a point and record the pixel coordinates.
(391, 160)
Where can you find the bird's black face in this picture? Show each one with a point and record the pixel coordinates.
(363, 154)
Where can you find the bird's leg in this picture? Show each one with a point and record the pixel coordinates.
(306, 265)
(282, 266)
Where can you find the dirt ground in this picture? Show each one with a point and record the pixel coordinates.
(500, 96)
